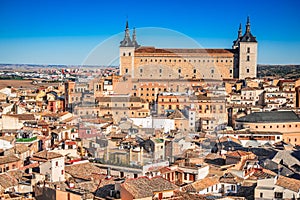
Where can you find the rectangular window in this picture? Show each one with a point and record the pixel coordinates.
(248, 58)
(248, 70)
(232, 187)
(278, 195)
(261, 195)
(179, 71)
(141, 70)
(56, 163)
(126, 70)
(248, 50)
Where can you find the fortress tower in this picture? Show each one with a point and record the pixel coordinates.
(246, 63)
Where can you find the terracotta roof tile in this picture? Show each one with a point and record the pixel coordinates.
(24, 117)
(7, 181)
(83, 170)
(144, 187)
(201, 184)
(8, 159)
(238, 153)
(21, 148)
(288, 183)
(45, 155)
(183, 51)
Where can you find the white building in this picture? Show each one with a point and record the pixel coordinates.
(51, 164)
(252, 96)
(277, 188)
(155, 122)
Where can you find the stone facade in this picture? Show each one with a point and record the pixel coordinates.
(140, 62)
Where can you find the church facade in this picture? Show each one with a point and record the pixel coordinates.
(149, 63)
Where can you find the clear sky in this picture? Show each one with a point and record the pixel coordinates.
(66, 31)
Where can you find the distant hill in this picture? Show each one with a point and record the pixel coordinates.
(280, 71)
(25, 66)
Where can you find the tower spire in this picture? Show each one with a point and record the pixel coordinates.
(240, 31)
(133, 35)
(126, 42)
(248, 25)
(127, 27)
(134, 41)
(127, 33)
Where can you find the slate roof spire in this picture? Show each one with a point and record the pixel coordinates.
(240, 35)
(248, 25)
(240, 31)
(126, 42)
(248, 37)
(134, 41)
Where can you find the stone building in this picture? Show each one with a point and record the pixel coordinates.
(285, 122)
(122, 106)
(150, 63)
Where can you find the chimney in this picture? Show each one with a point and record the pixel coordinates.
(108, 173)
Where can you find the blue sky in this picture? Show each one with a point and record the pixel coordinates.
(69, 32)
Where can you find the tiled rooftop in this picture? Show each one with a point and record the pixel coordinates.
(8, 159)
(143, 187)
